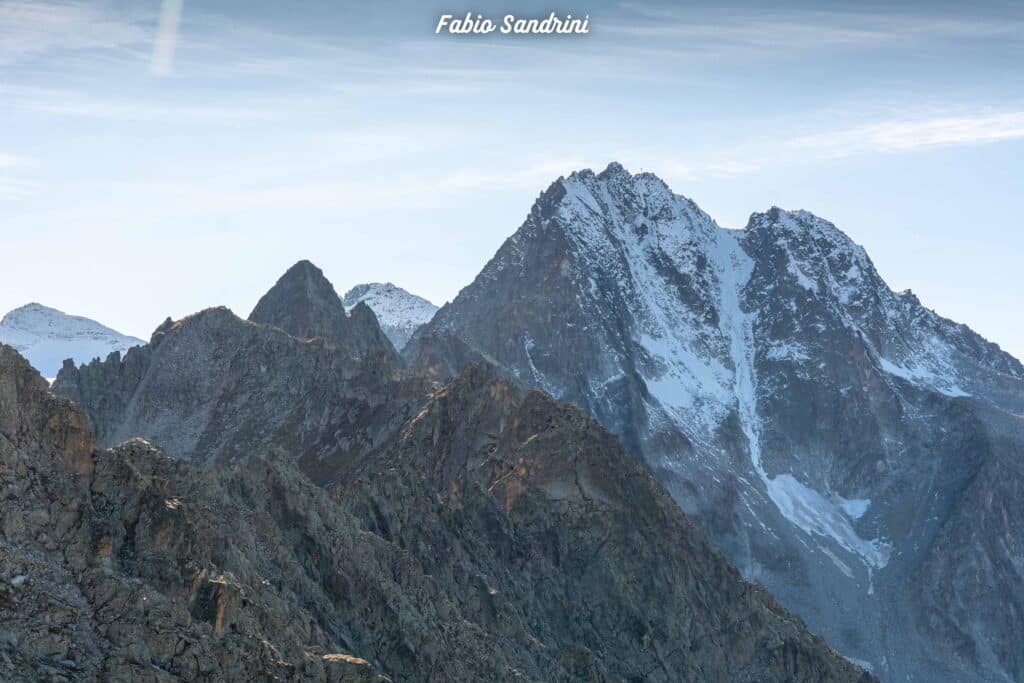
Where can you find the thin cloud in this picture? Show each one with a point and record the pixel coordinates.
(11, 188)
(904, 135)
(747, 32)
(29, 29)
(60, 102)
(888, 136)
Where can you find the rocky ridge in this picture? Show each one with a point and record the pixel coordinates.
(496, 538)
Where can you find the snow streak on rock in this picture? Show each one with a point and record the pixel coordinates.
(803, 506)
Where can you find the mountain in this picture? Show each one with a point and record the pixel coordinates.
(838, 441)
(400, 313)
(46, 336)
(464, 531)
(304, 304)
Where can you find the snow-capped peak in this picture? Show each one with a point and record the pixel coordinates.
(399, 312)
(46, 336)
(695, 312)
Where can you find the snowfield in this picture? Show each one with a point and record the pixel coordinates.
(46, 337)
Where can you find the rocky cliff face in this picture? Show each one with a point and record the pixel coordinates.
(127, 565)
(828, 433)
(496, 536)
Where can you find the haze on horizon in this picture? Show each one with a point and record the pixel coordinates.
(157, 159)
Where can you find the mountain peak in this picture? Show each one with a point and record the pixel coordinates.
(627, 209)
(399, 312)
(46, 336)
(820, 256)
(311, 277)
(31, 312)
(614, 168)
(304, 304)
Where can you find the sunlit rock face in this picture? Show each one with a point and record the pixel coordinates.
(828, 433)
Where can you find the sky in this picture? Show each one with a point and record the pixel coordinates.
(157, 158)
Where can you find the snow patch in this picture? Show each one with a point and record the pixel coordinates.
(787, 351)
(922, 376)
(854, 507)
(820, 516)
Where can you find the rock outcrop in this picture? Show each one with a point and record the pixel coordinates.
(128, 565)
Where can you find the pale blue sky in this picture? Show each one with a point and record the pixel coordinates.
(348, 133)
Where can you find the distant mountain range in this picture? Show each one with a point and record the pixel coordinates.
(471, 531)
(46, 336)
(522, 485)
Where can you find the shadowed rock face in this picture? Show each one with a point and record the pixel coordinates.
(307, 379)
(215, 388)
(838, 441)
(304, 304)
(495, 536)
(126, 565)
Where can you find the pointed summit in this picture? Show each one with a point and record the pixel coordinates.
(304, 304)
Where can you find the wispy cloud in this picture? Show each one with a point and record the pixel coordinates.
(72, 103)
(903, 135)
(881, 136)
(12, 188)
(29, 28)
(746, 32)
